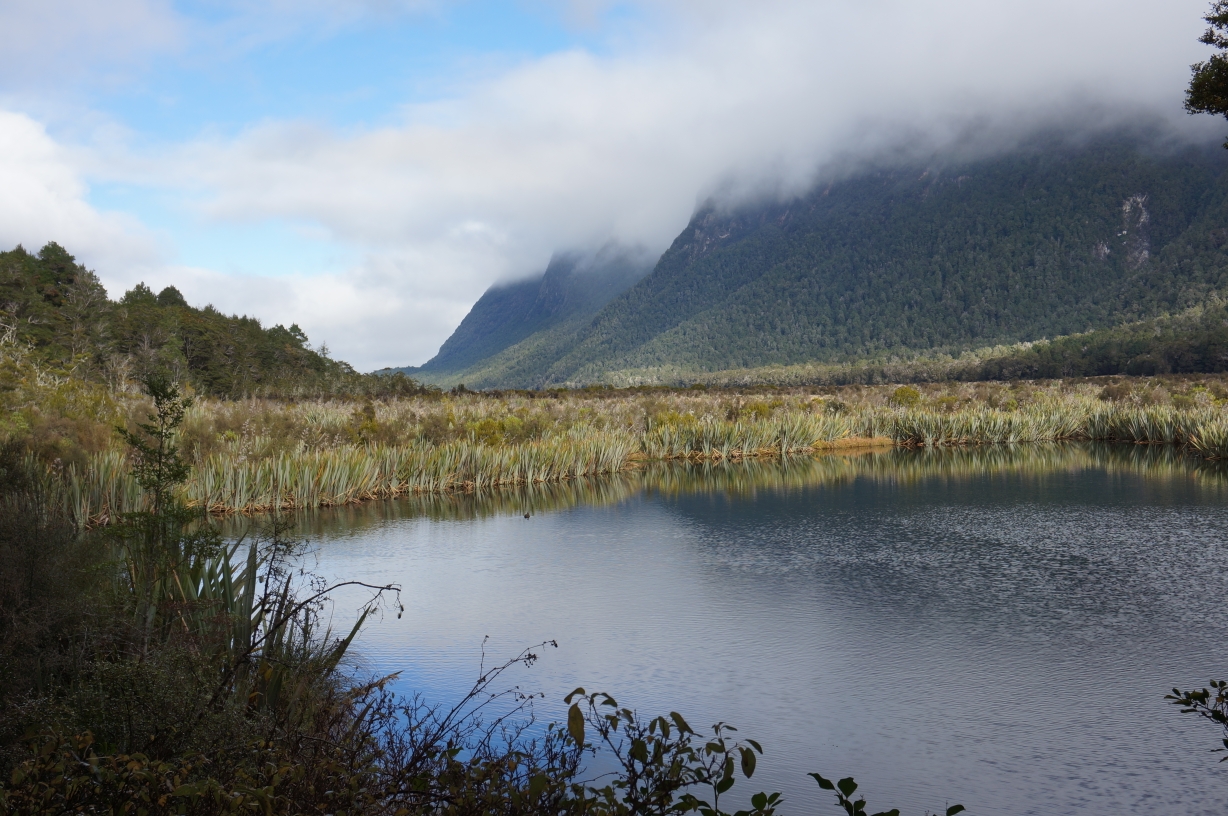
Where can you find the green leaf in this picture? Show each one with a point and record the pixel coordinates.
(759, 801)
(748, 762)
(639, 750)
(681, 723)
(824, 783)
(575, 724)
(725, 784)
(577, 693)
(953, 809)
(847, 786)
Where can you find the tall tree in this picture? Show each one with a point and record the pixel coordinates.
(1208, 91)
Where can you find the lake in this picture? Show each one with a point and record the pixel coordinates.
(992, 626)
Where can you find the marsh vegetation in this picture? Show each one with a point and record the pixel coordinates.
(257, 455)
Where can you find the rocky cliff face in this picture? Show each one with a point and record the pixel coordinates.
(1135, 222)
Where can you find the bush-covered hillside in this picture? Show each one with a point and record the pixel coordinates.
(1051, 241)
(55, 309)
(1194, 341)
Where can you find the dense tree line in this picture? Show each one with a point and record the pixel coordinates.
(59, 311)
(1192, 342)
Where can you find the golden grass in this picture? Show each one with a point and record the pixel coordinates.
(855, 443)
(258, 455)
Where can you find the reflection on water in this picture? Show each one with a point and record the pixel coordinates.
(993, 625)
(748, 476)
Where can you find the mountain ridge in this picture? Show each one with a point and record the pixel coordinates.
(1050, 241)
(573, 287)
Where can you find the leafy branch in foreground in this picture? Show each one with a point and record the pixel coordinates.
(1208, 703)
(662, 761)
(664, 766)
(846, 787)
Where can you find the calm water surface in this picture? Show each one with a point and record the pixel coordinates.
(993, 627)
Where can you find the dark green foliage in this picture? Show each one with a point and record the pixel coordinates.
(58, 307)
(52, 302)
(1049, 241)
(48, 587)
(1210, 704)
(664, 765)
(1194, 342)
(1208, 89)
(204, 685)
(161, 547)
(845, 788)
(170, 296)
(157, 466)
(218, 354)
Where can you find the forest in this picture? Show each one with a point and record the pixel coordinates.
(57, 312)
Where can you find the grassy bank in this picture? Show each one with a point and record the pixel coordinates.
(258, 455)
(750, 476)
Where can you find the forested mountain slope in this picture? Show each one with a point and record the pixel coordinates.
(574, 287)
(1049, 241)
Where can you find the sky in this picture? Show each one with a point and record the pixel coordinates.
(367, 168)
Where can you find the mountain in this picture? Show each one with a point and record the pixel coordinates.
(550, 309)
(1056, 239)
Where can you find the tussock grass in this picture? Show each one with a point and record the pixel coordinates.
(259, 455)
(352, 473)
(748, 476)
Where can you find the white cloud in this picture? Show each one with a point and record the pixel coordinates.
(365, 314)
(575, 148)
(572, 147)
(43, 42)
(42, 198)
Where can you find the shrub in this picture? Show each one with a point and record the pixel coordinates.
(906, 396)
